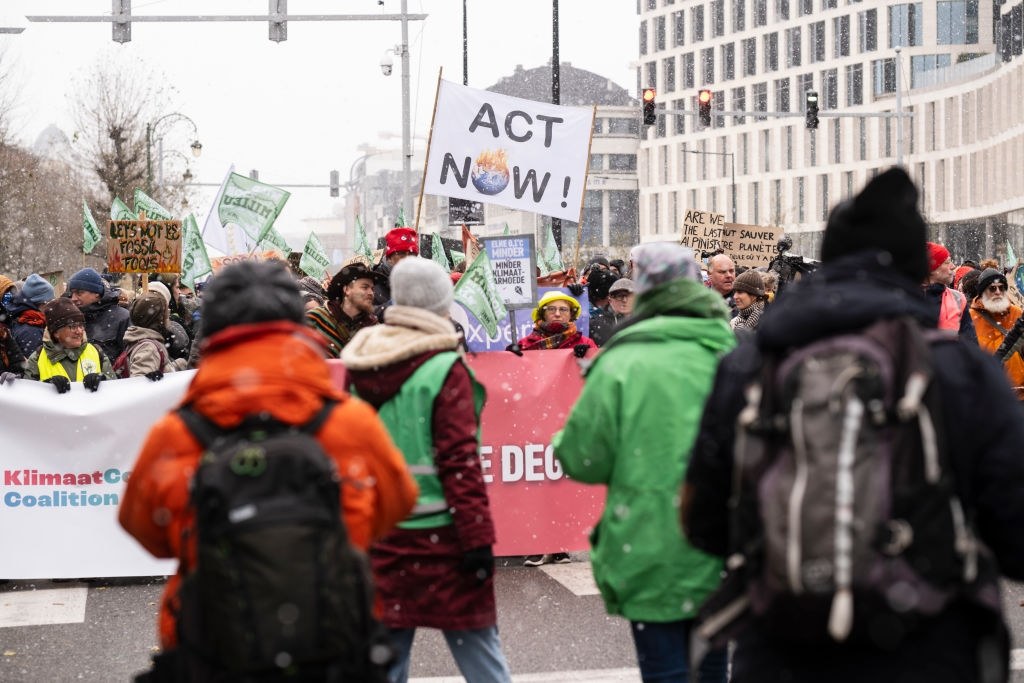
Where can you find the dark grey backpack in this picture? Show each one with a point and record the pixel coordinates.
(845, 521)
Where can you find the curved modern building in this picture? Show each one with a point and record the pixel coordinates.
(951, 66)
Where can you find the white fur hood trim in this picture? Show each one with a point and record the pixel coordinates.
(407, 332)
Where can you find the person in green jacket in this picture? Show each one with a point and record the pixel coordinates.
(632, 429)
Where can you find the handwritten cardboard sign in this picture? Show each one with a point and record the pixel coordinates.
(748, 245)
(144, 246)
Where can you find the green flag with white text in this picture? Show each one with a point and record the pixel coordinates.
(90, 231)
(195, 263)
(362, 242)
(119, 211)
(477, 292)
(274, 241)
(548, 257)
(314, 259)
(457, 258)
(506, 232)
(251, 205)
(437, 252)
(400, 222)
(154, 211)
(1011, 258)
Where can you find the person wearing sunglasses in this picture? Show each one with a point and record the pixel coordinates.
(994, 315)
(65, 355)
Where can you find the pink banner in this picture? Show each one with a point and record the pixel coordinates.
(536, 508)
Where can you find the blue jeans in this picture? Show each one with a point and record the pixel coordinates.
(663, 652)
(477, 653)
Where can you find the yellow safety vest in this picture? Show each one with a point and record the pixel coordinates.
(88, 362)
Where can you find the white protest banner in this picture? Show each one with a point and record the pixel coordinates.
(504, 150)
(62, 468)
(514, 269)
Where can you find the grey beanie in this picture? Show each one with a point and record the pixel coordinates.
(655, 263)
(421, 283)
(37, 290)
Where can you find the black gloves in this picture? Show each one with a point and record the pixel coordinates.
(92, 381)
(575, 290)
(580, 350)
(61, 384)
(155, 376)
(515, 348)
(9, 377)
(480, 562)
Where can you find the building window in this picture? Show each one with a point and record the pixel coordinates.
(837, 141)
(598, 126)
(793, 46)
(659, 32)
(643, 38)
(718, 104)
(596, 162)
(867, 30)
(760, 12)
(781, 10)
(922, 64)
(749, 46)
(829, 4)
(830, 89)
(739, 15)
(776, 217)
(800, 200)
(688, 79)
(652, 74)
(680, 126)
(744, 154)
(678, 28)
(669, 69)
(823, 187)
(789, 148)
(620, 126)
(957, 22)
(771, 52)
(841, 31)
(759, 93)
(817, 46)
(728, 61)
(713, 194)
(652, 4)
(717, 18)
(755, 200)
(655, 218)
(905, 24)
(623, 210)
(707, 65)
(862, 135)
(804, 82)
(782, 94)
(697, 23)
(849, 184)
(854, 84)
(805, 7)
(593, 217)
(739, 103)
(883, 76)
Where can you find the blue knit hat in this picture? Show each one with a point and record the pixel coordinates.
(36, 290)
(87, 280)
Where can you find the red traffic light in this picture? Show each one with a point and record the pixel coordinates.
(649, 94)
(704, 96)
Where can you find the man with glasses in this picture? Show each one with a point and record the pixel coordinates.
(994, 315)
(66, 356)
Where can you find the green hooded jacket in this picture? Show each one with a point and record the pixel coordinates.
(632, 429)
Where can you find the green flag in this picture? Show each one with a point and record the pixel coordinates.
(506, 232)
(195, 263)
(119, 211)
(251, 205)
(548, 257)
(401, 217)
(362, 243)
(274, 241)
(314, 258)
(477, 292)
(90, 232)
(154, 211)
(437, 252)
(457, 258)
(1010, 256)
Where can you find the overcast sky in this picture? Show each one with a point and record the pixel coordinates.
(298, 109)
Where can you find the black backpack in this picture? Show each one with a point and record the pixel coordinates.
(278, 591)
(846, 526)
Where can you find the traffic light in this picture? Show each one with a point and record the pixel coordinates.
(650, 117)
(335, 184)
(278, 15)
(704, 107)
(811, 110)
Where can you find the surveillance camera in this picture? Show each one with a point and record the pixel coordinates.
(386, 63)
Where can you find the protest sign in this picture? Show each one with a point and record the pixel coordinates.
(464, 211)
(479, 338)
(144, 246)
(749, 246)
(505, 150)
(514, 269)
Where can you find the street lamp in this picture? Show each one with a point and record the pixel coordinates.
(732, 169)
(151, 131)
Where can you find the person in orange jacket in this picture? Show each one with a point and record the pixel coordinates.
(258, 356)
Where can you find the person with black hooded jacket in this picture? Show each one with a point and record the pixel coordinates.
(105, 320)
(874, 259)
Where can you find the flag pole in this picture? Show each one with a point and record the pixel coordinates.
(586, 174)
(426, 157)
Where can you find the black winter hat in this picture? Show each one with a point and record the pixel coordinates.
(987, 277)
(251, 292)
(599, 282)
(883, 216)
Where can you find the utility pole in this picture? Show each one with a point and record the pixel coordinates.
(556, 98)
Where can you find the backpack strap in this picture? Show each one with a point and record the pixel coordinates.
(205, 430)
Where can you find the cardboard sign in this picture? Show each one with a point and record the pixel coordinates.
(514, 268)
(748, 245)
(144, 246)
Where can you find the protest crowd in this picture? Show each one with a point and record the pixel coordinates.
(816, 471)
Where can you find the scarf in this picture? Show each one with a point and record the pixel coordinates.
(33, 318)
(748, 317)
(554, 336)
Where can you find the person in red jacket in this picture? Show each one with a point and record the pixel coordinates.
(259, 357)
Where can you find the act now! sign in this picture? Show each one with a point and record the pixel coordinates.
(493, 148)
